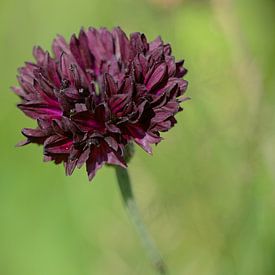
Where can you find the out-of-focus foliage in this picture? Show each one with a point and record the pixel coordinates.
(207, 194)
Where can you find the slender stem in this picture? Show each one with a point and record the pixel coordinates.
(130, 203)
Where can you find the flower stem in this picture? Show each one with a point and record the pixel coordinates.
(130, 203)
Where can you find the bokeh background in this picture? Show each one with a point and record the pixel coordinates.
(207, 194)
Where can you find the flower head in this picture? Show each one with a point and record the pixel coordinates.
(98, 93)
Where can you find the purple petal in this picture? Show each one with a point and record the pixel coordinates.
(86, 121)
(118, 102)
(58, 145)
(146, 141)
(40, 110)
(60, 46)
(110, 85)
(122, 45)
(158, 75)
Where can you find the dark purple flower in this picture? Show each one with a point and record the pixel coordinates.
(97, 94)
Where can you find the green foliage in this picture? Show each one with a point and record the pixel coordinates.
(207, 194)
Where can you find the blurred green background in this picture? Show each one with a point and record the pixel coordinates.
(207, 194)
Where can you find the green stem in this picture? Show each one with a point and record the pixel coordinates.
(130, 203)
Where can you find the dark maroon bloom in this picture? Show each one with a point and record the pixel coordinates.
(97, 94)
